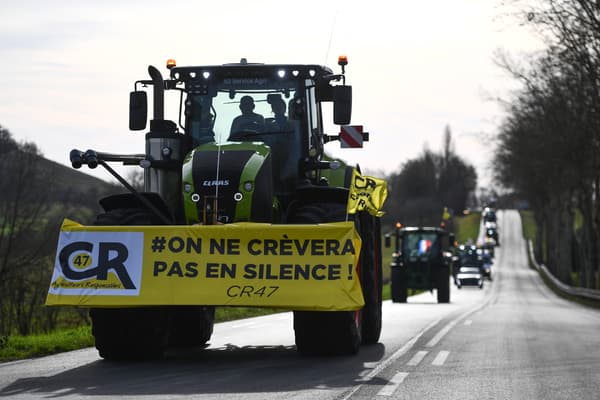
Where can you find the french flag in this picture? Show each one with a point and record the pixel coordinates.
(424, 246)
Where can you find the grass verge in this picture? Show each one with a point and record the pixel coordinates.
(19, 347)
(467, 227)
(529, 233)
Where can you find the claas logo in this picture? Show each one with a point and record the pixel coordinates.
(76, 262)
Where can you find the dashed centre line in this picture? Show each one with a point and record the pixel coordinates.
(440, 359)
(417, 358)
(393, 384)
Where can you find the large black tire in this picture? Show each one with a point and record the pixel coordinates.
(443, 285)
(190, 326)
(130, 333)
(371, 277)
(398, 285)
(325, 332)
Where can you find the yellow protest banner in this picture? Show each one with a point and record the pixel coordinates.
(366, 193)
(300, 267)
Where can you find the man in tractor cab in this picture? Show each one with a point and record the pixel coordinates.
(279, 123)
(248, 122)
(202, 120)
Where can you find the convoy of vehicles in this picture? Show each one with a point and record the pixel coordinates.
(474, 263)
(212, 166)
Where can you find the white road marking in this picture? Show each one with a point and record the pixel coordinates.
(417, 358)
(441, 333)
(404, 349)
(386, 363)
(393, 384)
(440, 359)
(451, 324)
(468, 322)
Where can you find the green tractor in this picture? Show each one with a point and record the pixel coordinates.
(422, 259)
(247, 145)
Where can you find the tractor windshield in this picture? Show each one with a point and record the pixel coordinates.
(245, 109)
(421, 245)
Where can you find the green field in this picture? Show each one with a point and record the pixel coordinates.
(528, 225)
(467, 227)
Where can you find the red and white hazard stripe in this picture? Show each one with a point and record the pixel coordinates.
(351, 136)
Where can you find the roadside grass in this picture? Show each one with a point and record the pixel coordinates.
(529, 231)
(467, 227)
(17, 347)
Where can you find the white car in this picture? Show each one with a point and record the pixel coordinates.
(469, 276)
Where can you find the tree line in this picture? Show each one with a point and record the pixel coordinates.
(35, 196)
(549, 142)
(425, 185)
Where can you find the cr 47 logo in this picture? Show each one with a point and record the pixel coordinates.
(111, 256)
(98, 263)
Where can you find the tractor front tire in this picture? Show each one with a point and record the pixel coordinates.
(130, 333)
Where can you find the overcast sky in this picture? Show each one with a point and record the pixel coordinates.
(67, 67)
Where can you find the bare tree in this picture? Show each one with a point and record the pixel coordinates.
(559, 106)
(24, 241)
(427, 184)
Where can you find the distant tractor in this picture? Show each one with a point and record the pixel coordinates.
(421, 260)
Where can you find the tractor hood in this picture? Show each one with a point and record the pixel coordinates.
(228, 183)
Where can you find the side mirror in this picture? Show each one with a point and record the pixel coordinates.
(342, 105)
(138, 111)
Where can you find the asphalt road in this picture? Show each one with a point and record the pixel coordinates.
(514, 339)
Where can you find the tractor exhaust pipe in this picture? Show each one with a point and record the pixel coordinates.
(159, 92)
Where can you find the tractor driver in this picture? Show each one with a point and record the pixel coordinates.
(202, 120)
(248, 122)
(280, 122)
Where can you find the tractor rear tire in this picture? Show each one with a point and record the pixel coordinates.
(371, 277)
(190, 326)
(138, 333)
(443, 285)
(325, 332)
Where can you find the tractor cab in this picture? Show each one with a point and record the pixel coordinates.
(263, 123)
